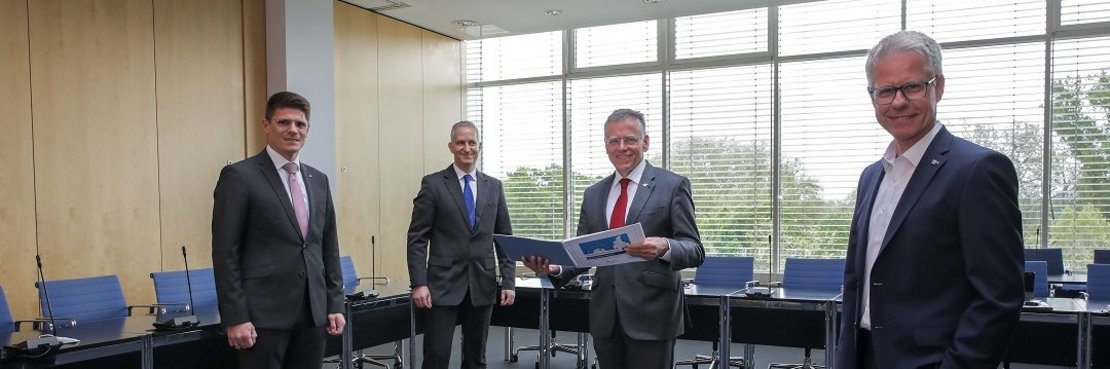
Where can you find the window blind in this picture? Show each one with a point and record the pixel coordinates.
(727, 33)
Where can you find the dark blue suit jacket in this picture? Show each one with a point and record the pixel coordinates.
(946, 287)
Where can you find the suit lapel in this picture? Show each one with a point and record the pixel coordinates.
(869, 188)
(266, 166)
(315, 190)
(647, 185)
(451, 184)
(485, 189)
(599, 206)
(927, 168)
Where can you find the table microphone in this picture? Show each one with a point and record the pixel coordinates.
(43, 344)
(187, 321)
(760, 291)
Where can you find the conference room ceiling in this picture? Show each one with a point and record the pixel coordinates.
(494, 18)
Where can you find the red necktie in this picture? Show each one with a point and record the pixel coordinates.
(617, 220)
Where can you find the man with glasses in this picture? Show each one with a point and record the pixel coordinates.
(636, 309)
(934, 264)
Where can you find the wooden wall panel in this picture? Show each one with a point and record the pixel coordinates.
(199, 58)
(356, 133)
(443, 96)
(400, 95)
(17, 184)
(254, 73)
(95, 140)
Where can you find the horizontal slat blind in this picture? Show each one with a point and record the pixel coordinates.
(626, 43)
(721, 122)
(736, 32)
(961, 20)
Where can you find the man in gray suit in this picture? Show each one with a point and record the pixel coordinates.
(637, 309)
(451, 253)
(274, 248)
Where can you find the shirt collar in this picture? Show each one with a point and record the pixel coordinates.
(634, 175)
(915, 152)
(459, 173)
(279, 161)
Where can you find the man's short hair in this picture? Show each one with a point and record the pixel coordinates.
(461, 124)
(625, 114)
(911, 41)
(286, 99)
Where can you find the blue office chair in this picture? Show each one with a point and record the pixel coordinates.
(1054, 258)
(351, 281)
(1040, 277)
(87, 300)
(812, 275)
(172, 288)
(7, 324)
(1102, 256)
(1098, 282)
(732, 272)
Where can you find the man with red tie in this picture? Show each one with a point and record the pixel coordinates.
(637, 308)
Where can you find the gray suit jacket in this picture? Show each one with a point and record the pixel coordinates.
(263, 266)
(445, 254)
(648, 294)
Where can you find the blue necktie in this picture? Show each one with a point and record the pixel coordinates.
(468, 196)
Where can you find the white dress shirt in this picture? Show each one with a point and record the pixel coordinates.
(279, 162)
(473, 186)
(898, 171)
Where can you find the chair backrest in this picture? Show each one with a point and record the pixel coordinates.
(1040, 277)
(1098, 282)
(350, 275)
(813, 274)
(1054, 258)
(1102, 256)
(173, 287)
(84, 299)
(6, 320)
(725, 271)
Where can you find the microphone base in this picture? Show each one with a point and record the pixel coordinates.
(34, 347)
(177, 323)
(764, 292)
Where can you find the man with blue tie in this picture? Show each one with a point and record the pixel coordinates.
(934, 266)
(451, 253)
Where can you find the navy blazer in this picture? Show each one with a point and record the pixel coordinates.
(264, 267)
(648, 294)
(448, 256)
(946, 286)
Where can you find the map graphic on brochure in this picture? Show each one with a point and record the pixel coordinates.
(595, 249)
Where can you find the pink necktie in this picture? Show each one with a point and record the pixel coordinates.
(298, 197)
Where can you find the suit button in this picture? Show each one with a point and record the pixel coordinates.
(301, 274)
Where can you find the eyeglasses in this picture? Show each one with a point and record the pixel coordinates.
(628, 141)
(912, 91)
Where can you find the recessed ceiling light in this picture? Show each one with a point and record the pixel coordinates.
(653, 1)
(553, 12)
(463, 23)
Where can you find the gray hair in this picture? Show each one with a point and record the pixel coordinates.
(906, 41)
(463, 124)
(625, 114)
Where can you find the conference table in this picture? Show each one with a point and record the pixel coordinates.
(132, 342)
(799, 318)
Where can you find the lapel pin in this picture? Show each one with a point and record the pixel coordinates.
(935, 162)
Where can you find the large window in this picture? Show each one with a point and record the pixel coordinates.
(765, 109)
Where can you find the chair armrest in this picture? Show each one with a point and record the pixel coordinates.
(386, 279)
(40, 322)
(160, 308)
